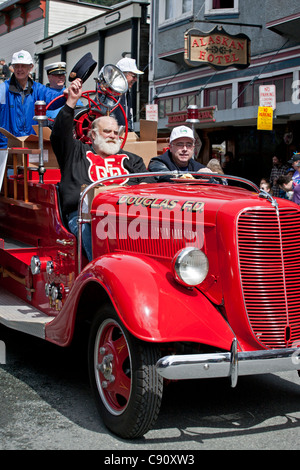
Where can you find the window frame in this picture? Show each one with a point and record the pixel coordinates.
(166, 104)
(163, 105)
(178, 16)
(264, 81)
(219, 89)
(209, 10)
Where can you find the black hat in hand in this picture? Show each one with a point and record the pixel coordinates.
(83, 68)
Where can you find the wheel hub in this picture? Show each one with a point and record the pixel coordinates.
(112, 367)
(106, 367)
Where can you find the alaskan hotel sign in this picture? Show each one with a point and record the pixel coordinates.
(217, 49)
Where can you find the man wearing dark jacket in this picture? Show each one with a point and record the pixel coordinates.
(179, 156)
(81, 163)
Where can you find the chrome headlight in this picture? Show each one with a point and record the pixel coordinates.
(190, 266)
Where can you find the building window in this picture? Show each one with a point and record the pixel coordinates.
(164, 107)
(171, 11)
(219, 96)
(187, 6)
(178, 104)
(217, 4)
(220, 7)
(249, 93)
(185, 101)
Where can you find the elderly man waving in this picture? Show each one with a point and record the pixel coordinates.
(81, 163)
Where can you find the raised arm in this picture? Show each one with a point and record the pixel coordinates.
(74, 92)
(62, 139)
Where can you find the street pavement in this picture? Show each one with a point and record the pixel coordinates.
(46, 404)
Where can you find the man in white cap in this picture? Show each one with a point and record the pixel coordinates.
(18, 96)
(179, 156)
(129, 68)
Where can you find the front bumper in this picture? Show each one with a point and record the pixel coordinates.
(228, 364)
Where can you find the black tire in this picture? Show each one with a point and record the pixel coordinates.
(124, 381)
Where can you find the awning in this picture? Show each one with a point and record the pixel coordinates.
(176, 56)
(287, 26)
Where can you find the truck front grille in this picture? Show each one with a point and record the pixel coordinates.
(157, 241)
(269, 255)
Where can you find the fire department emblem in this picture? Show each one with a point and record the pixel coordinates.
(109, 166)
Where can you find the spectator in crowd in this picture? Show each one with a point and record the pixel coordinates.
(294, 162)
(82, 164)
(229, 164)
(263, 180)
(277, 170)
(291, 187)
(215, 166)
(4, 71)
(265, 185)
(294, 174)
(129, 68)
(179, 156)
(18, 96)
(290, 172)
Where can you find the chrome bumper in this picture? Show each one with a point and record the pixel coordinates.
(228, 364)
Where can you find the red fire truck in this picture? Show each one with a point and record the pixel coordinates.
(189, 279)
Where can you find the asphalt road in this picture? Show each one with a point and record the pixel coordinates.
(46, 404)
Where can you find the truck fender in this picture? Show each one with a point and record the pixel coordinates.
(155, 307)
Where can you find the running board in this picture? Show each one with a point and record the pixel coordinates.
(18, 315)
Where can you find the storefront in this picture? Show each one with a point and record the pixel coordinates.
(216, 56)
(252, 149)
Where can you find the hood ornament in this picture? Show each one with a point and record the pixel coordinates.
(269, 197)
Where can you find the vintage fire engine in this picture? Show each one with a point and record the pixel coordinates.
(189, 279)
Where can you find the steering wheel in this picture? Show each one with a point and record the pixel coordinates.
(85, 115)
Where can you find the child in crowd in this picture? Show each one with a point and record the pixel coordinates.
(265, 185)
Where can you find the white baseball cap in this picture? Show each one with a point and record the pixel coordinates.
(22, 57)
(128, 65)
(180, 132)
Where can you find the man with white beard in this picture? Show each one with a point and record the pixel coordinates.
(81, 163)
